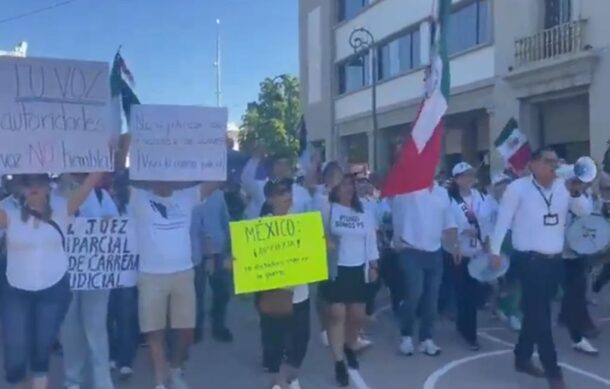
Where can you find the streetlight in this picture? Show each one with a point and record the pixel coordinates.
(363, 42)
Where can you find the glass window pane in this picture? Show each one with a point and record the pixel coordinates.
(416, 49)
(354, 74)
(404, 52)
(484, 26)
(462, 29)
(350, 8)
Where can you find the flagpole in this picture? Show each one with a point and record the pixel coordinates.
(217, 64)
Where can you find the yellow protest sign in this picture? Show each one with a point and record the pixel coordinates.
(278, 252)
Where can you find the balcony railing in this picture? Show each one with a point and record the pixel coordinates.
(554, 42)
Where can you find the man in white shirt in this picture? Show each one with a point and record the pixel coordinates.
(535, 209)
(281, 167)
(420, 219)
(161, 212)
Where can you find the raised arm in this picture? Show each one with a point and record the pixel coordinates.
(78, 197)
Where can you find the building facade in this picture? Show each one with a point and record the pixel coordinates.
(545, 63)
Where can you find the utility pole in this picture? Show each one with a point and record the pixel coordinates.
(217, 64)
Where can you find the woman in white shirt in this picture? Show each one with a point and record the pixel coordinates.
(354, 240)
(467, 205)
(285, 337)
(37, 295)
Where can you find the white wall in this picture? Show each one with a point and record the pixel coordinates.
(471, 67)
(382, 20)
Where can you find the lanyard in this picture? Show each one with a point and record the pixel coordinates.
(548, 201)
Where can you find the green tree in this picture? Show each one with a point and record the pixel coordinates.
(272, 121)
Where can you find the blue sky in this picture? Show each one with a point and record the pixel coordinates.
(168, 44)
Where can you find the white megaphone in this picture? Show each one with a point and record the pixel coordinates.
(585, 170)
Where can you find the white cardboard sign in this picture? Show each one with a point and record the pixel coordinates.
(178, 143)
(102, 253)
(55, 116)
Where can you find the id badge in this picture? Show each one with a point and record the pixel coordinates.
(551, 219)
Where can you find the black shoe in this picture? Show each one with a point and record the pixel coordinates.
(222, 335)
(341, 374)
(350, 356)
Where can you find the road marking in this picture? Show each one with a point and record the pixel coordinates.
(566, 366)
(381, 310)
(357, 379)
(433, 379)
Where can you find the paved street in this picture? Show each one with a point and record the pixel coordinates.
(217, 366)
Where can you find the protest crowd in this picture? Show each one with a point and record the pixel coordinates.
(109, 240)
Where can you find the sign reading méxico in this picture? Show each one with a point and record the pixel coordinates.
(55, 116)
(278, 252)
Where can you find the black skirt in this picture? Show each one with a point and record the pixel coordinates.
(349, 287)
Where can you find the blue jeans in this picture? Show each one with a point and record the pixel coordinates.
(85, 339)
(221, 285)
(30, 326)
(423, 272)
(123, 328)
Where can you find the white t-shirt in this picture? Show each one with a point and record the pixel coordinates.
(321, 203)
(420, 218)
(356, 235)
(162, 226)
(93, 207)
(473, 203)
(36, 256)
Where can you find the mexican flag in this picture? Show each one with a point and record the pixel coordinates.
(513, 146)
(420, 155)
(121, 83)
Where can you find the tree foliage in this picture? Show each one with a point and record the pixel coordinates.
(272, 121)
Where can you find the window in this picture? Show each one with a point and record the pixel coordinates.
(557, 12)
(399, 55)
(350, 8)
(469, 27)
(353, 74)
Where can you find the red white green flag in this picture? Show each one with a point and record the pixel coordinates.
(513, 146)
(416, 166)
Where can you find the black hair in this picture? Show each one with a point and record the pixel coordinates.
(538, 153)
(355, 202)
(275, 188)
(274, 158)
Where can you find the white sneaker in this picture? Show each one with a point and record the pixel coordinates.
(362, 343)
(515, 323)
(406, 346)
(276, 387)
(176, 380)
(295, 385)
(126, 371)
(324, 338)
(585, 347)
(429, 348)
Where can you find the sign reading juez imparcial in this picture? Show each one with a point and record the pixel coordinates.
(55, 116)
(178, 143)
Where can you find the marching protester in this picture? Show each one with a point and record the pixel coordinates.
(353, 234)
(281, 166)
(284, 313)
(123, 327)
(603, 206)
(37, 295)
(507, 293)
(332, 174)
(84, 334)
(467, 204)
(210, 238)
(535, 209)
(420, 220)
(161, 213)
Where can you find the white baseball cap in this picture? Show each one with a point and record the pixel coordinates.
(461, 168)
(499, 178)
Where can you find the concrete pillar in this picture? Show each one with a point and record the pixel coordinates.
(599, 110)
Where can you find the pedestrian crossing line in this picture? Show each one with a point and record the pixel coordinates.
(566, 366)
